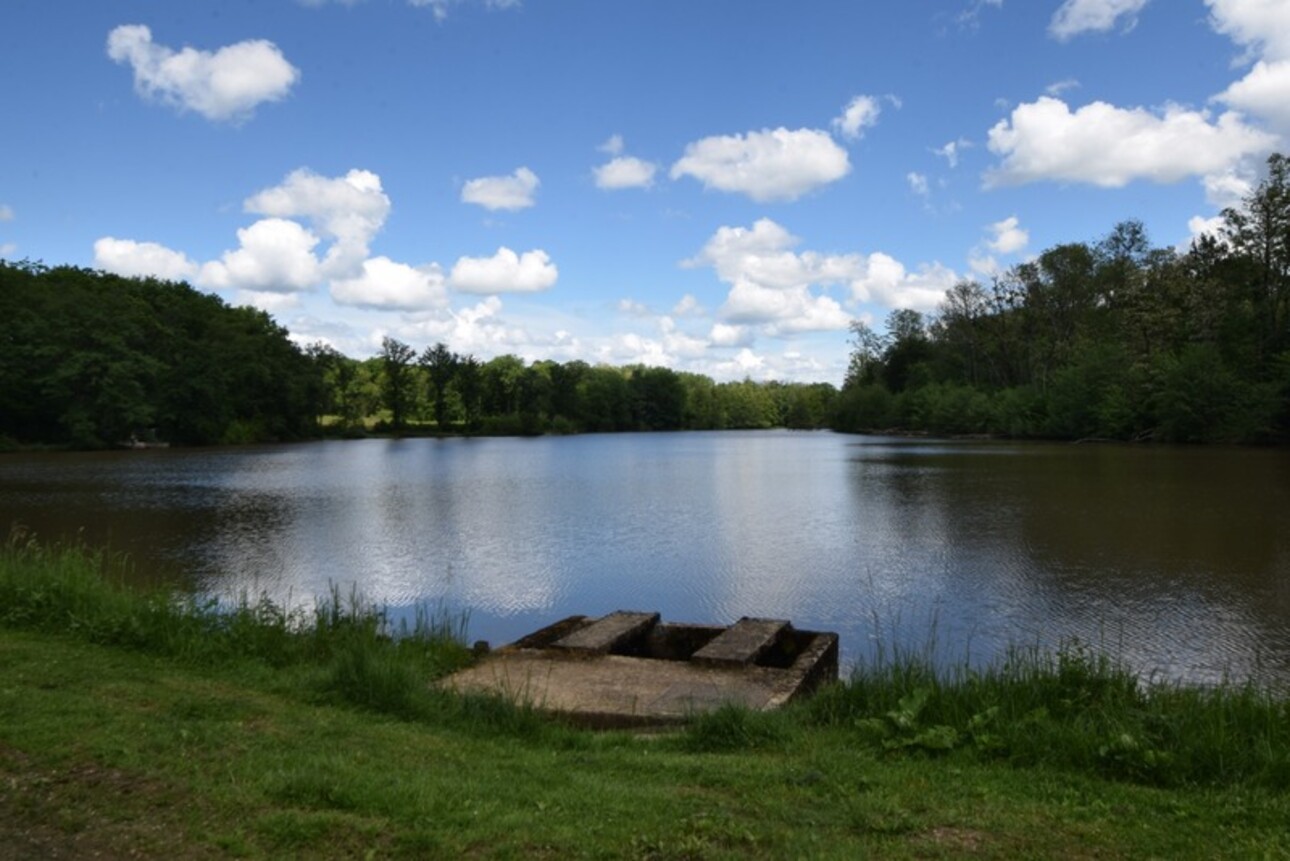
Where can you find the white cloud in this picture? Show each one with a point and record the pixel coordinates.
(350, 210)
(142, 260)
(274, 256)
(502, 192)
(860, 113)
(625, 172)
(632, 308)
(504, 272)
(1111, 147)
(225, 85)
(390, 285)
(1093, 16)
(273, 303)
(6, 212)
(1009, 238)
(885, 280)
(1264, 92)
(726, 335)
(918, 184)
(1198, 226)
(770, 284)
(1228, 188)
(612, 146)
(688, 306)
(440, 8)
(969, 16)
(1056, 88)
(950, 152)
(984, 265)
(767, 165)
(1263, 26)
(7, 249)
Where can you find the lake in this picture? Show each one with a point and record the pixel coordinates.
(1175, 559)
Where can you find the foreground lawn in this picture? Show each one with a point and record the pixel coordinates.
(146, 723)
(110, 752)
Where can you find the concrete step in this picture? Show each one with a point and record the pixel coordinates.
(741, 643)
(607, 632)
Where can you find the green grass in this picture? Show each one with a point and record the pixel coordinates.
(143, 722)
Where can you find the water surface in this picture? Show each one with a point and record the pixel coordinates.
(1177, 559)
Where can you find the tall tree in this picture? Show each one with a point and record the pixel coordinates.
(441, 366)
(396, 362)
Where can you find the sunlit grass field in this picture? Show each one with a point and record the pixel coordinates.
(157, 723)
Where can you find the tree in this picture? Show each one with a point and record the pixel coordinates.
(441, 366)
(1258, 233)
(469, 388)
(396, 389)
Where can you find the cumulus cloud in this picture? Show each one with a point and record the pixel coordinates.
(918, 184)
(1198, 226)
(726, 335)
(6, 212)
(1263, 92)
(274, 256)
(227, 84)
(1008, 237)
(861, 113)
(504, 272)
(1228, 188)
(613, 145)
(142, 260)
(1093, 16)
(770, 284)
(511, 193)
(348, 210)
(625, 172)
(1262, 26)
(885, 280)
(1110, 147)
(386, 284)
(767, 165)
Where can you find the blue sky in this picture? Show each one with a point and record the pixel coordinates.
(712, 186)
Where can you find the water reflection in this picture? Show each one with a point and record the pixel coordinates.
(1179, 559)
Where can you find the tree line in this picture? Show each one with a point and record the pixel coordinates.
(1112, 339)
(439, 390)
(89, 359)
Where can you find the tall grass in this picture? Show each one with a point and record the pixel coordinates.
(1075, 708)
(346, 641)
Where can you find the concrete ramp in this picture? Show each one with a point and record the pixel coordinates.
(629, 669)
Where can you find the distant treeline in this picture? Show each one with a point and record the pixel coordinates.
(441, 390)
(89, 359)
(1114, 340)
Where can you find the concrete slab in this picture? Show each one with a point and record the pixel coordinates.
(647, 676)
(603, 635)
(742, 643)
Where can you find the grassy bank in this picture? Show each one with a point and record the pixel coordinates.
(145, 722)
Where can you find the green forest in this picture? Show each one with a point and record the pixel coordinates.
(92, 360)
(1112, 339)
(1106, 340)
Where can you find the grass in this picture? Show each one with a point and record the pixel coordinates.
(146, 723)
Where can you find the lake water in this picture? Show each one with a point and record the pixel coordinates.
(1176, 559)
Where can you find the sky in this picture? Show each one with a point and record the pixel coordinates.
(717, 186)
